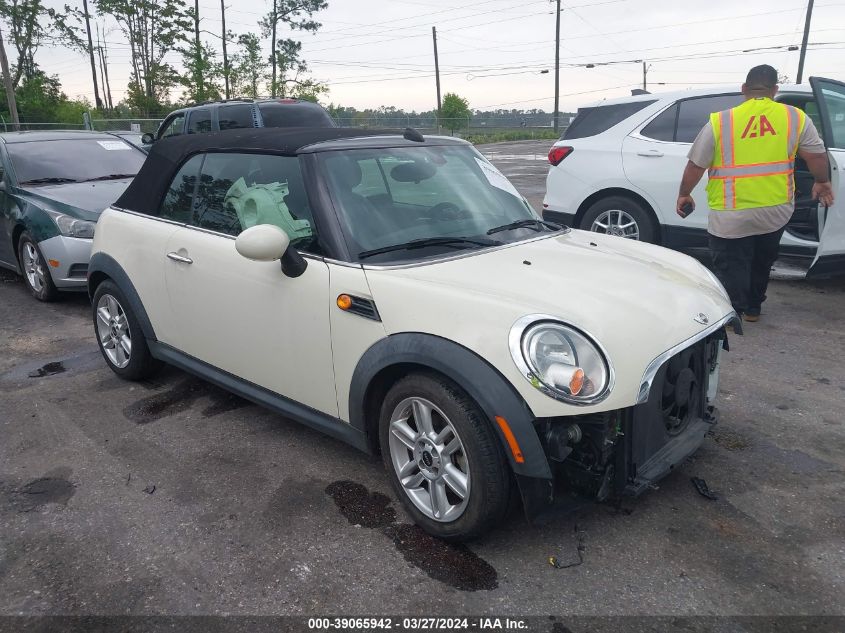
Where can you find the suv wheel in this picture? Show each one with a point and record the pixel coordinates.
(35, 272)
(620, 216)
(444, 459)
(119, 335)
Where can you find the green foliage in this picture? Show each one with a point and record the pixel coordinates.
(455, 112)
(203, 76)
(28, 23)
(153, 28)
(285, 56)
(249, 68)
(40, 99)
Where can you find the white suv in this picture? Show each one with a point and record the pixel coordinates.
(618, 167)
(421, 309)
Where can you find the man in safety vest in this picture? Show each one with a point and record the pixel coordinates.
(749, 154)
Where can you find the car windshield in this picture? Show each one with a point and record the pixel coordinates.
(416, 202)
(73, 160)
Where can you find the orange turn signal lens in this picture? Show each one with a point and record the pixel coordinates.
(576, 383)
(510, 439)
(53, 262)
(344, 302)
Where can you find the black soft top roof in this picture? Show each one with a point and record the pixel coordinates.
(167, 155)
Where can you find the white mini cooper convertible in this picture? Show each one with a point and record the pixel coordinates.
(398, 293)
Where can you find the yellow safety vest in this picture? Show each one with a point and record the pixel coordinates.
(754, 161)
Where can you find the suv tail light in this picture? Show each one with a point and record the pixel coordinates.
(557, 154)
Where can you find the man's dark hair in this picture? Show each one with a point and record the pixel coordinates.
(762, 77)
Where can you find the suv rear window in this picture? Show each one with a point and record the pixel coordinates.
(231, 117)
(598, 119)
(294, 115)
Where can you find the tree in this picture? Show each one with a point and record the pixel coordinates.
(153, 29)
(202, 73)
(296, 14)
(249, 67)
(455, 112)
(29, 23)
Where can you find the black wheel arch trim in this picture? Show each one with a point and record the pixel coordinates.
(493, 393)
(102, 264)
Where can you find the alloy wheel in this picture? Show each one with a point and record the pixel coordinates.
(113, 331)
(33, 269)
(429, 459)
(616, 222)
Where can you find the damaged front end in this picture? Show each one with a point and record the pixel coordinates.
(612, 454)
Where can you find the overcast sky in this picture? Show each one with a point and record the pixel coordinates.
(492, 52)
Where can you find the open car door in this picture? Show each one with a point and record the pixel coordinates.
(830, 257)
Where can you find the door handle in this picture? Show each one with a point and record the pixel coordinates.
(176, 257)
(652, 153)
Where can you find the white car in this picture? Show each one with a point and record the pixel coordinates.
(618, 167)
(421, 309)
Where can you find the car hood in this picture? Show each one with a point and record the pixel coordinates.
(84, 200)
(635, 299)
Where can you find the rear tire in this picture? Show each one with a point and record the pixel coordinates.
(455, 479)
(614, 215)
(36, 273)
(119, 335)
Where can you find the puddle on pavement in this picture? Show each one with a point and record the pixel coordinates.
(452, 564)
(182, 397)
(49, 369)
(361, 507)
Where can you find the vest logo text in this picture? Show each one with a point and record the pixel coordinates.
(758, 126)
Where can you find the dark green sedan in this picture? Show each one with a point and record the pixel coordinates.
(53, 186)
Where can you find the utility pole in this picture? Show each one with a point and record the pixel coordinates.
(97, 100)
(225, 58)
(104, 65)
(273, 49)
(10, 89)
(645, 72)
(804, 41)
(436, 73)
(198, 78)
(557, 66)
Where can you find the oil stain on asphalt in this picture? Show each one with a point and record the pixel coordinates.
(53, 488)
(453, 564)
(49, 369)
(182, 397)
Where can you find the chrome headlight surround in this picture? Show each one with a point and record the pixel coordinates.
(72, 227)
(519, 340)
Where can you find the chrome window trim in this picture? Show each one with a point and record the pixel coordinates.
(515, 335)
(654, 366)
(463, 254)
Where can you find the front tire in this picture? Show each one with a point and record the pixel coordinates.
(119, 335)
(36, 274)
(620, 216)
(443, 458)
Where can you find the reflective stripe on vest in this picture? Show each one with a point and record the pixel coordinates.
(756, 143)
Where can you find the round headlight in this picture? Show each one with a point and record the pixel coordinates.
(561, 361)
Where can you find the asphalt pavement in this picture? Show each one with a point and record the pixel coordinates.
(174, 497)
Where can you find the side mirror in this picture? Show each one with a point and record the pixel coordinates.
(268, 243)
(262, 242)
(147, 138)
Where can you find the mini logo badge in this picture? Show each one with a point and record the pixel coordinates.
(701, 318)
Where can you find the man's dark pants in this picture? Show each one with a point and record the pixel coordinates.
(743, 265)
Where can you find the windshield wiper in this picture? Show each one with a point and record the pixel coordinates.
(428, 241)
(52, 180)
(110, 177)
(537, 225)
